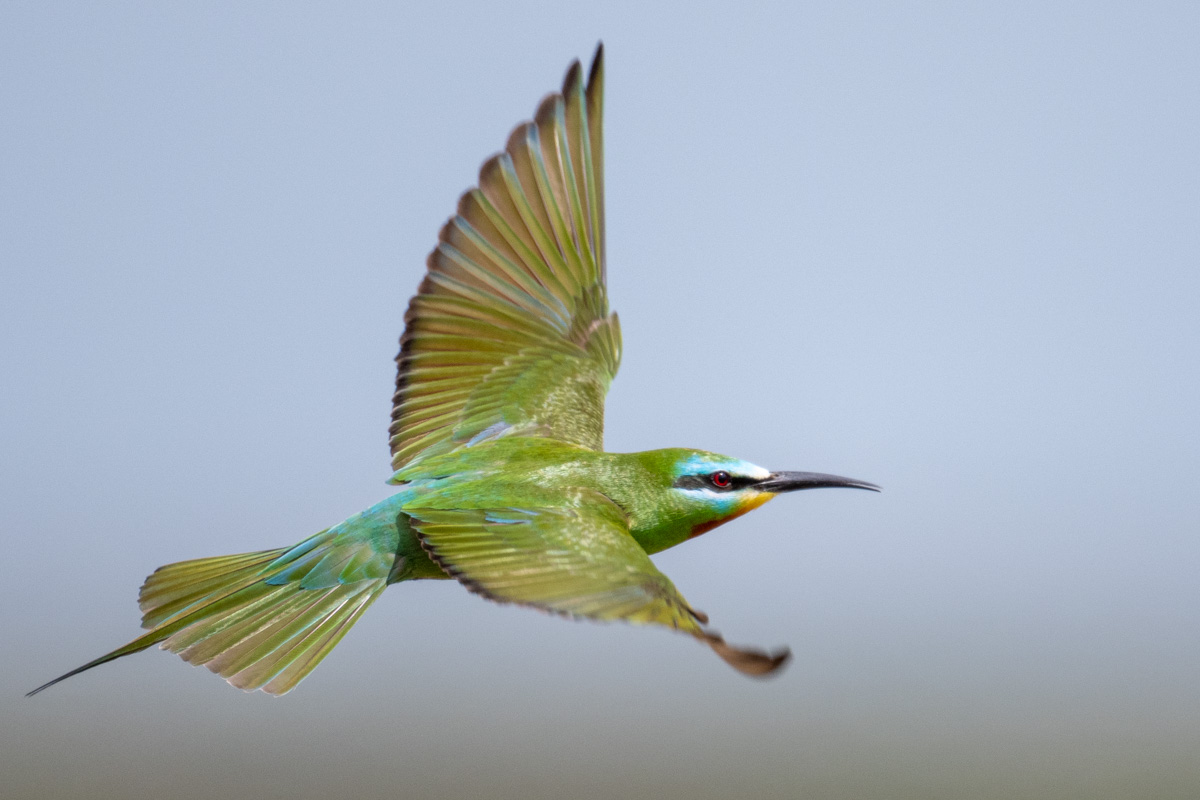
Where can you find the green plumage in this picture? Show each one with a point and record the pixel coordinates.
(510, 333)
(497, 433)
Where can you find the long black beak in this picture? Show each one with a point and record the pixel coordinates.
(795, 481)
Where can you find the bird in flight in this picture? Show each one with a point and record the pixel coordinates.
(497, 449)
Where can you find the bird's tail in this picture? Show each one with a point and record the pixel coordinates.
(259, 620)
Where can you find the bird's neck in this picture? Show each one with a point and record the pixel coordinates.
(659, 515)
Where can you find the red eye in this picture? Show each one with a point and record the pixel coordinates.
(721, 479)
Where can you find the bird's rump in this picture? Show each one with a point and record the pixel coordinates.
(510, 331)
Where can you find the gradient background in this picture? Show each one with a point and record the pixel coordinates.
(951, 250)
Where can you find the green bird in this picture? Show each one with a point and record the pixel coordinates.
(497, 446)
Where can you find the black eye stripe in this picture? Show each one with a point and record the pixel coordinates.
(704, 481)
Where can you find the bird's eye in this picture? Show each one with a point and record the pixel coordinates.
(721, 479)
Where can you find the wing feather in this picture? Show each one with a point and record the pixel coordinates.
(578, 560)
(510, 331)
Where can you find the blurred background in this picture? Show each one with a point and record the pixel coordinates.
(948, 248)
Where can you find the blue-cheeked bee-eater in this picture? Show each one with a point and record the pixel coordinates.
(497, 428)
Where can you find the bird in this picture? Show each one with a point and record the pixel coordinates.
(503, 484)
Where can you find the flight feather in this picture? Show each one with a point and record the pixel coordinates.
(510, 331)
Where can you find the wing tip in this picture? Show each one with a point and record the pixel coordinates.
(597, 68)
(748, 660)
(573, 80)
(595, 83)
(549, 109)
(519, 138)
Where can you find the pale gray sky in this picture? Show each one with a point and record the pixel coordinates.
(948, 248)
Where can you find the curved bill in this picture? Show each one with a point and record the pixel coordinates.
(779, 482)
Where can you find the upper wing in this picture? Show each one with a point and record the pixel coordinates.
(578, 560)
(510, 332)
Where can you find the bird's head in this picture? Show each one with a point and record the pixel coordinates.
(697, 491)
